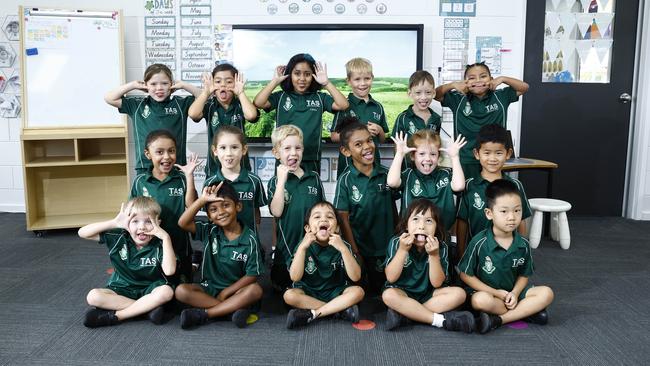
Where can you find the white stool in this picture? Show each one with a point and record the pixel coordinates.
(559, 222)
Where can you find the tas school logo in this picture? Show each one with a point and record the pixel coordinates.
(442, 183)
(516, 262)
(353, 114)
(478, 202)
(148, 262)
(311, 266)
(287, 197)
(468, 109)
(412, 128)
(238, 257)
(215, 246)
(488, 267)
(236, 119)
(146, 111)
(245, 196)
(124, 253)
(145, 192)
(356, 195)
(287, 104)
(215, 119)
(491, 108)
(376, 115)
(176, 192)
(407, 261)
(313, 103)
(171, 110)
(417, 189)
(312, 190)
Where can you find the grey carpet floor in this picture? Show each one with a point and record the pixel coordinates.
(600, 315)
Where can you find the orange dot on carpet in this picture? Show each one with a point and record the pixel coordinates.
(364, 324)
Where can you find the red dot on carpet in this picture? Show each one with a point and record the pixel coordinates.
(110, 270)
(364, 324)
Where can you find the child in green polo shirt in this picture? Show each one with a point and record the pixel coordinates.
(218, 105)
(229, 147)
(158, 109)
(293, 192)
(492, 150)
(476, 102)
(142, 256)
(322, 270)
(365, 202)
(417, 270)
(426, 179)
(172, 186)
(362, 105)
(498, 263)
(301, 103)
(419, 115)
(232, 260)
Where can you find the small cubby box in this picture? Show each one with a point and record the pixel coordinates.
(49, 152)
(101, 150)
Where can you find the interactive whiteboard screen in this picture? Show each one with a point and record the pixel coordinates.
(70, 60)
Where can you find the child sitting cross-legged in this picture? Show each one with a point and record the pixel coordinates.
(142, 257)
(322, 269)
(497, 264)
(232, 260)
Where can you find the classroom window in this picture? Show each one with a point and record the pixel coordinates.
(578, 41)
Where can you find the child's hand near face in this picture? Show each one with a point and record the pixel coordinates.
(240, 81)
(192, 162)
(461, 86)
(308, 239)
(401, 148)
(495, 82)
(321, 73)
(453, 148)
(209, 194)
(156, 230)
(406, 241)
(208, 83)
(336, 241)
(374, 129)
(432, 246)
(139, 85)
(282, 173)
(124, 217)
(279, 75)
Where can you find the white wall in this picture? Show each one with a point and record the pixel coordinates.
(505, 18)
(638, 193)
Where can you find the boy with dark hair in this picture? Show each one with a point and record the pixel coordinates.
(492, 150)
(498, 263)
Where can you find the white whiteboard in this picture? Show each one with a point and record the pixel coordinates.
(70, 60)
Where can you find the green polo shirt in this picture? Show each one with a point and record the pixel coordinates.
(251, 194)
(148, 115)
(132, 267)
(306, 112)
(495, 266)
(415, 272)
(471, 113)
(435, 187)
(170, 195)
(300, 194)
(409, 123)
(372, 111)
(324, 272)
(472, 204)
(216, 116)
(369, 203)
(226, 261)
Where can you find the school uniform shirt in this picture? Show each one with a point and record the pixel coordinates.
(369, 203)
(471, 113)
(415, 270)
(306, 112)
(170, 195)
(251, 194)
(217, 116)
(148, 115)
(324, 271)
(226, 261)
(495, 266)
(435, 187)
(409, 123)
(132, 267)
(300, 194)
(372, 111)
(471, 207)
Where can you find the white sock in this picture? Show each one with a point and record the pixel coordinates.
(314, 314)
(438, 319)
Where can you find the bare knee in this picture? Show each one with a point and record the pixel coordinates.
(357, 291)
(182, 292)
(457, 294)
(482, 300)
(545, 293)
(290, 296)
(390, 297)
(94, 297)
(163, 293)
(255, 291)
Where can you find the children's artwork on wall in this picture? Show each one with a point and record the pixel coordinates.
(10, 106)
(488, 50)
(10, 27)
(7, 55)
(222, 39)
(265, 168)
(457, 8)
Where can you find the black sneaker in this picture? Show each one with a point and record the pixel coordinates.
(100, 318)
(393, 319)
(350, 314)
(459, 321)
(156, 315)
(240, 316)
(487, 322)
(192, 317)
(299, 317)
(540, 318)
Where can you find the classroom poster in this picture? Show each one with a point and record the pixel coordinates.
(160, 33)
(488, 50)
(10, 102)
(196, 39)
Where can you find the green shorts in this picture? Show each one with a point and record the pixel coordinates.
(324, 296)
(420, 297)
(210, 289)
(136, 292)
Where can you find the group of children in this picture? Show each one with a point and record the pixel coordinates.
(327, 256)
